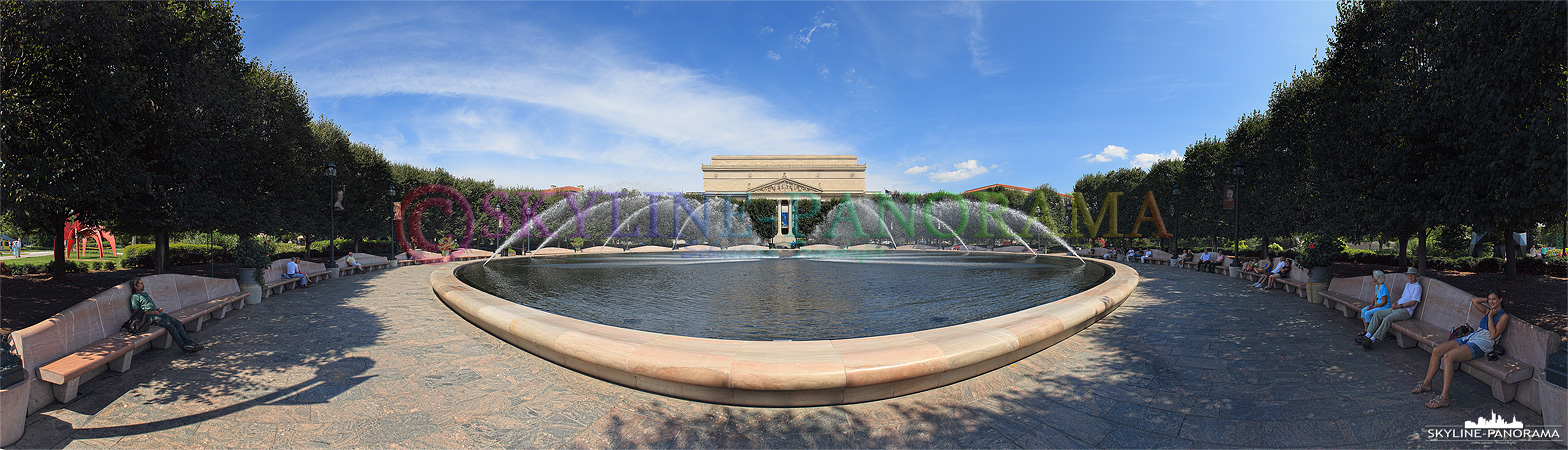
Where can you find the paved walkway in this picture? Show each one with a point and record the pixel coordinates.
(1192, 360)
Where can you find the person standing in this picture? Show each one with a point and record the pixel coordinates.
(142, 301)
(16, 247)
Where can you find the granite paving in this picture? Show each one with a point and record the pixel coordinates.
(1191, 360)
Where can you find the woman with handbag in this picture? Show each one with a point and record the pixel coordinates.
(141, 302)
(1494, 321)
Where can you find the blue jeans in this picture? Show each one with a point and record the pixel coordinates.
(300, 276)
(176, 329)
(1366, 313)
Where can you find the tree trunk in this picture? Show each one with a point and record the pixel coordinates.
(1404, 244)
(57, 269)
(1511, 252)
(161, 251)
(1421, 252)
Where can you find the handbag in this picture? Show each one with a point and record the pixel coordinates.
(139, 322)
(1459, 332)
(1497, 352)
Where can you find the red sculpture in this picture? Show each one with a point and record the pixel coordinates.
(76, 239)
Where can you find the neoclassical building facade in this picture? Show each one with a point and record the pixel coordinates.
(784, 179)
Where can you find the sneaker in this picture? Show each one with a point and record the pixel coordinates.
(1367, 344)
(189, 349)
(1362, 339)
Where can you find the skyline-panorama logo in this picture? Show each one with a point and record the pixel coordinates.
(1494, 429)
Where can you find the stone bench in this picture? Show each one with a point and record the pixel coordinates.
(85, 340)
(367, 262)
(418, 257)
(1159, 257)
(1444, 307)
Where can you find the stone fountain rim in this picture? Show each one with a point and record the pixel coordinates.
(786, 373)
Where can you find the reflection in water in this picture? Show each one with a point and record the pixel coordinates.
(788, 295)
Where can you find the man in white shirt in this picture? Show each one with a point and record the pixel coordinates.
(292, 271)
(1377, 328)
(1203, 260)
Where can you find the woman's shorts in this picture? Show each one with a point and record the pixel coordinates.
(1475, 350)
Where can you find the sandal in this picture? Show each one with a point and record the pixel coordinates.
(1423, 387)
(1438, 402)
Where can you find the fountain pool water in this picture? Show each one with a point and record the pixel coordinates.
(784, 295)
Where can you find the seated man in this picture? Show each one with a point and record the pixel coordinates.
(1282, 268)
(1146, 254)
(1110, 253)
(292, 271)
(1377, 327)
(141, 303)
(352, 264)
(1204, 260)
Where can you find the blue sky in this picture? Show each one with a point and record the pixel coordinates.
(929, 95)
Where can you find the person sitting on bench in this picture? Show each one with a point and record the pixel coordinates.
(1403, 309)
(292, 271)
(1494, 321)
(1381, 302)
(142, 301)
(1280, 269)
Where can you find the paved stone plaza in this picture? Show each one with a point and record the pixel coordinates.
(1190, 360)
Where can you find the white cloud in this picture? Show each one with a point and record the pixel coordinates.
(1110, 152)
(1146, 160)
(979, 49)
(526, 95)
(964, 170)
(774, 55)
(918, 170)
(818, 22)
(767, 29)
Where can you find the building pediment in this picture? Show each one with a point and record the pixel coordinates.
(784, 185)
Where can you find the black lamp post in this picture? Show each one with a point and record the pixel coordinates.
(1235, 174)
(392, 219)
(1175, 192)
(332, 217)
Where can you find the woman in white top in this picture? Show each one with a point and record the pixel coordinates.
(1494, 321)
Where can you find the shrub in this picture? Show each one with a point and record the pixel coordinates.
(144, 255)
(1490, 264)
(1322, 251)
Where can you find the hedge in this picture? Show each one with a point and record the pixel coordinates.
(143, 255)
(12, 268)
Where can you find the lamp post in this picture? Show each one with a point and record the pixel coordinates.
(1175, 192)
(332, 217)
(392, 219)
(1235, 174)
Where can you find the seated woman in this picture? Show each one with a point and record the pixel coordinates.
(1281, 269)
(1380, 303)
(1494, 321)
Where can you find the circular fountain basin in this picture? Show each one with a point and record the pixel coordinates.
(788, 373)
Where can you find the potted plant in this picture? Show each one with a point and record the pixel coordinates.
(1319, 258)
(447, 246)
(252, 255)
(577, 243)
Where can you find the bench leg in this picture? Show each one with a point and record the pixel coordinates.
(1404, 341)
(163, 341)
(123, 363)
(224, 311)
(64, 393)
(1503, 391)
(195, 325)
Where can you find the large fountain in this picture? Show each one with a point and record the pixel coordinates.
(719, 321)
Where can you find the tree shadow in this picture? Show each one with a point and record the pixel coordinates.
(306, 335)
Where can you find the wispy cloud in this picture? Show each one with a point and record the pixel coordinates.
(774, 55)
(962, 171)
(820, 22)
(524, 94)
(916, 170)
(1110, 152)
(979, 49)
(1146, 160)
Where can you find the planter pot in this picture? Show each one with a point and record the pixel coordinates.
(247, 279)
(1554, 408)
(13, 410)
(1235, 271)
(1320, 274)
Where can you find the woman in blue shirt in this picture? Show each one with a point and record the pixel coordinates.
(1494, 321)
(1381, 303)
